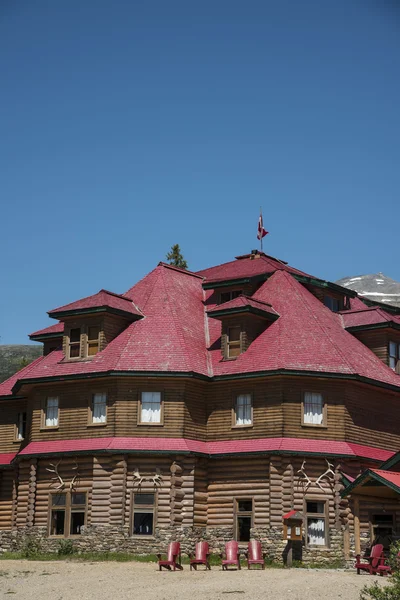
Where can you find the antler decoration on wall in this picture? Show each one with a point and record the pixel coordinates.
(156, 479)
(76, 477)
(329, 475)
(54, 469)
(304, 479)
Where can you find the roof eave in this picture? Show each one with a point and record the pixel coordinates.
(95, 310)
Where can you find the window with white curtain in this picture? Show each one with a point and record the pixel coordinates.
(99, 408)
(243, 410)
(313, 408)
(150, 408)
(51, 412)
(316, 523)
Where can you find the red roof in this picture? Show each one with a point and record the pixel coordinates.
(390, 476)
(7, 385)
(264, 445)
(5, 459)
(102, 299)
(368, 316)
(56, 328)
(247, 266)
(243, 302)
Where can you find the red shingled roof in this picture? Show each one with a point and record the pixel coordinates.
(247, 266)
(56, 328)
(368, 316)
(286, 445)
(102, 299)
(7, 385)
(390, 476)
(5, 459)
(243, 302)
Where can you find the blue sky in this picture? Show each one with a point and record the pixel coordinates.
(128, 126)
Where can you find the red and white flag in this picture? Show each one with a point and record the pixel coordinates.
(261, 232)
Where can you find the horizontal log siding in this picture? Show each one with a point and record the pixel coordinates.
(74, 402)
(195, 410)
(6, 497)
(200, 493)
(371, 416)
(267, 409)
(8, 420)
(112, 326)
(232, 478)
(376, 340)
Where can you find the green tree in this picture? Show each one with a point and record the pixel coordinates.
(174, 257)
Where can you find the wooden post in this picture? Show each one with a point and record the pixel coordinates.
(357, 541)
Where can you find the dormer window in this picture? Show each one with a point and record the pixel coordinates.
(233, 341)
(332, 303)
(394, 356)
(227, 296)
(75, 342)
(93, 337)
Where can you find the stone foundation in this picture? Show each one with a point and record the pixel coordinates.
(104, 538)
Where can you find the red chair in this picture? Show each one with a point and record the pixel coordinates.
(201, 556)
(254, 554)
(374, 560)
(173, 557)
(385, 569)
(232, 556)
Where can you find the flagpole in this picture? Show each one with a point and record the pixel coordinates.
(261, 237)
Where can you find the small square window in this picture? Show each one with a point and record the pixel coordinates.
(332, 303)
(316, 523)
(394, 356)
(93, 340)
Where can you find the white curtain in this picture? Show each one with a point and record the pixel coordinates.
(151, 407)
(52, 412)
(313, 408)
(316, 532)
(243, 409)
(99, 408)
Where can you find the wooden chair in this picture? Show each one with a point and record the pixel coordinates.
(254, 554)
(232, 556)
(373, 563)
(173, 557)
(386, 569)
(201, 556)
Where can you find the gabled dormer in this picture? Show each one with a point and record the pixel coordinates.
(243, 319)
(93, 322)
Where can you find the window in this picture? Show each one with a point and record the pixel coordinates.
(51, 412)
(233, 341)
(143, 513)
(20, 433)
(99, 409)
(75, 343)
(332, 303)
(150, 407)
(243, 413)
(316, 523)
(394, 356)
(67, 513)
(244, 519)
(226, 296)
(93, 340)
(313, 409)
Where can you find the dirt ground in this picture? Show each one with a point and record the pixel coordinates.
(119, 581)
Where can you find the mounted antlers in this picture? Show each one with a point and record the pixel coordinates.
(304, 479)
(76, 476)
(155, 479)
(54, 469)
(329, 474)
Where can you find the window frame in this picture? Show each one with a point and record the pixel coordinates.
(339, 301)
(324, 423)
(69, 343)
(237, 343)
(87, 341)
(324, 515)
(139, 405)
(91, 406)
(396, 368)
(234, 413)
(25, 425)
(68, 512)
(151, 509)
(45, 427)
(232, 295)
(237, 514)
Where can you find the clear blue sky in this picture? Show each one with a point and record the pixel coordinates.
(127, 126)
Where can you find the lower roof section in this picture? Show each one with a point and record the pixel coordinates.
(211, 449)
(6, 459)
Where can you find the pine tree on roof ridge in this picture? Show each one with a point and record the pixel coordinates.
(175, 257)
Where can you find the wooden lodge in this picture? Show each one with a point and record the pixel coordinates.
(246, 400)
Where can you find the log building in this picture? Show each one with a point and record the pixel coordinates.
(207, 405)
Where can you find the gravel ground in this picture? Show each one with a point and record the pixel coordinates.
(120, 581)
